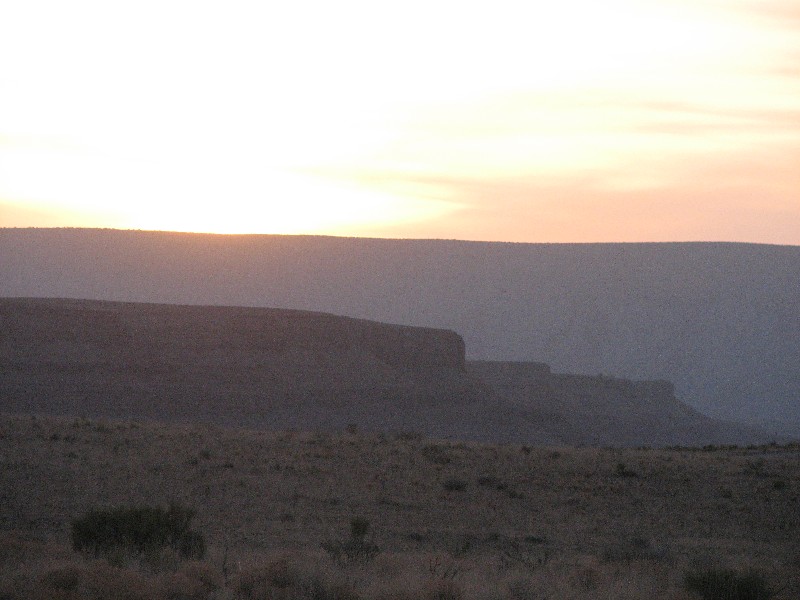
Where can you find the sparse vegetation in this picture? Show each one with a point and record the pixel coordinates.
(454, 485)
(727, 584)
(526, 525)
(436, 454)
(356, 550)
(139, 530)
(492, 482)
(623, 471)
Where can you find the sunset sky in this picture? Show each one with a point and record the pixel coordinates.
(569, 121)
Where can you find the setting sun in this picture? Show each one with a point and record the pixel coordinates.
(179, 196)
(438, 119)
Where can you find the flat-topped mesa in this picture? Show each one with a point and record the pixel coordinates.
(65, 330)
(290, 369)
(602, 410)
(234, 364)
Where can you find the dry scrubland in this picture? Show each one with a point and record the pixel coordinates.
(451, 520)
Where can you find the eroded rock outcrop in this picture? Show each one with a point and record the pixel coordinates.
(281, 369)
(604, 411)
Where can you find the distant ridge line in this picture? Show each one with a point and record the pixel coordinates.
(719, 319)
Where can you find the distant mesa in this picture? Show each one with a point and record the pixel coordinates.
(719, 320)
(281, 369)
(601, 410)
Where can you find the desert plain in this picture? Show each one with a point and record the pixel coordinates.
(445, 519)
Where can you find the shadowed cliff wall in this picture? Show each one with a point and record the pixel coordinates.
(211, 363)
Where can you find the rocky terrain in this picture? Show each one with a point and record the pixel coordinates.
(280, 369)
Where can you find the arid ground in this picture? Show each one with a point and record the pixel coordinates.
(446, 520)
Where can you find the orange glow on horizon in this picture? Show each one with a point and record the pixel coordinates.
(624, 121)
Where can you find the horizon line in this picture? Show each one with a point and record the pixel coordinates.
(398, 239)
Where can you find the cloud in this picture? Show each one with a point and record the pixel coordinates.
(732, 196)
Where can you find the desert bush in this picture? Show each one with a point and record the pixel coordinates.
(491, 481)
(359, 528)
(356, 550)
(623, 471)
(94, 581)
(454, 485)
(444, 567)
(408, 436)
(139, 530)
(631, 548)
(727, 584)
(529, 556)
(350, 552)
(282, 578)
(442, 589)
(436, 454)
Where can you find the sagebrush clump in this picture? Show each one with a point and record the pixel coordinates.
(138, 530)
(356, 550)
(727, 584)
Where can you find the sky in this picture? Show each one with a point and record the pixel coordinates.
(569, 121)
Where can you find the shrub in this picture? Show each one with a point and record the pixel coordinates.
(282, 578)
(359, 527)
(623, 471)
(442, 589)
(727, 584)
(93, 581)
(436, 454)
(279, 573)
(140, 530)
(356, 550)
(455, 485)
(631, 548)
(491, 482)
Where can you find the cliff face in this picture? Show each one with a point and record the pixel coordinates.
(92, 332)
(602, 410)
(228, 364)
(280, 369)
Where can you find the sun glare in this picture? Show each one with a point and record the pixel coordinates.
(214, 197)
(318, 117)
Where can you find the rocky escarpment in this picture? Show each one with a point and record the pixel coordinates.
(232, 365)
(281, 369)
(604, 411)
(243, 367)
